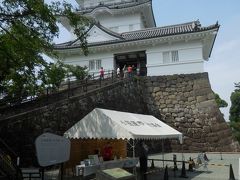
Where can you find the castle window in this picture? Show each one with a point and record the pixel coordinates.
(170, 57)
(175, 57)
(98, 64)
(166, 57)
(95, 65)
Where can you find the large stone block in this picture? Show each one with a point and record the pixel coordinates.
(156, 89)
(201, 99)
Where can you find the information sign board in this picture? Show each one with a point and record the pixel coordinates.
(52, 149)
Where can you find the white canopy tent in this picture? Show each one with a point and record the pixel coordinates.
(109, 124)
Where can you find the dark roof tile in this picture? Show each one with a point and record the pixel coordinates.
(119, 5)
(156, 32)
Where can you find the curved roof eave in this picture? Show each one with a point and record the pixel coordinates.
(214, 41)
(114, 7)
(154, 21)
(129, 40)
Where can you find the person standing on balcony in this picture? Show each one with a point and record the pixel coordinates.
(101, 73)
(129, 71)
(118, 72)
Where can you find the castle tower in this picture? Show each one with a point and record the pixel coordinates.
(117, 15)
(125, 33)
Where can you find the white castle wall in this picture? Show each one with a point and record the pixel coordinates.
(121, 23)
(190, 58)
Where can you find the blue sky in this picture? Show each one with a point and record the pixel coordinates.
(224, 65)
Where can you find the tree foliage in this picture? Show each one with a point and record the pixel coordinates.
(77, 71)
(235, 111)
(53, 75)
(220, 102)
(27, 29)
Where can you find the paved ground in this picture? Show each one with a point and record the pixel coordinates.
(217, 168)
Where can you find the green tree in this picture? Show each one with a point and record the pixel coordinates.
(53, 75)
(220, 102)
(56, 73)
(235, 111)
(27, 29)
(77, 71)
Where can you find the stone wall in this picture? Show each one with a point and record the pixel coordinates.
(185, 102)
(21, 131)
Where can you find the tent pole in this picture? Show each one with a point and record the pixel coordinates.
(183, 159)
(163, 151)
(134, 168)
(132, 145)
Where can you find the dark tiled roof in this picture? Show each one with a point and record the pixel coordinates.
(186, 28)
(119, 5)
(167, 30)
(108, 31)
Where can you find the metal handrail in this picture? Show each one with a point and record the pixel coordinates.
(167, 160)
(71, 85)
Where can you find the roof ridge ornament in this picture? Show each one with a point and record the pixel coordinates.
(196, 25)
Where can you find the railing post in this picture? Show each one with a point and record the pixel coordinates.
(112, 76)
(175, 168)
(68, 88)
(86, 84)
(152, 164)
(18, 161)
(42, 171)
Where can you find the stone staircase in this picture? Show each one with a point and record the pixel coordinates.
(76, 88)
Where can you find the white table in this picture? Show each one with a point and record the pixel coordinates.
(112, 164)
(82, 170)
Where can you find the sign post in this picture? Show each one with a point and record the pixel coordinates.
(52, 149)
(239, 169)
